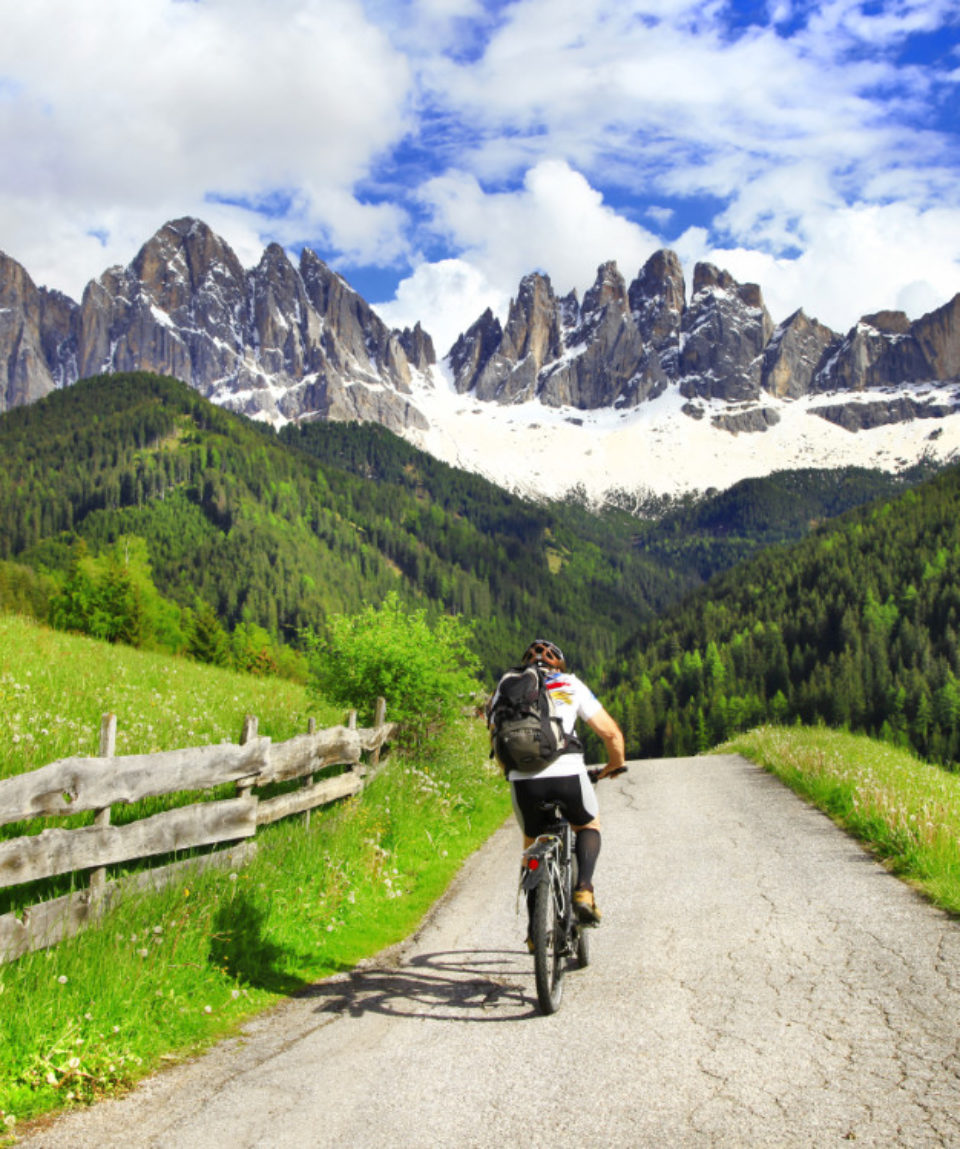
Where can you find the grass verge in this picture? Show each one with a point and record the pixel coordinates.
(905, 810)
(169, 973)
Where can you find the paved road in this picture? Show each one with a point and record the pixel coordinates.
(758, 981)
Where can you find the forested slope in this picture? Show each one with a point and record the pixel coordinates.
(267, 535)
(856, 626)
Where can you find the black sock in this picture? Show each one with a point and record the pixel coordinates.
(588, 850)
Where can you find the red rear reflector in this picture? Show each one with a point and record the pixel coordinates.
(533, 864)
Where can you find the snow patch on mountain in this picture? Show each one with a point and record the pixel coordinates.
(544, 452)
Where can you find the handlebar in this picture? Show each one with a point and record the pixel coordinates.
(594, 775)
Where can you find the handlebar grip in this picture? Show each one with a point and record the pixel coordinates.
(594, 775)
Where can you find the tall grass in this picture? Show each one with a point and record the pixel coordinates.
(170, 972)
(906, 810)
(54, 688)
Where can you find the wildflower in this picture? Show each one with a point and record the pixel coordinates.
(235, 993)
(51, 1078)
(63, 979)
(74, 1063)
(88, 1016)
(116, 1029)
(142, 953)
(208, 1009)
(158, 929)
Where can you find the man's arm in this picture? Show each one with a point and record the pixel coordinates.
(603, 725)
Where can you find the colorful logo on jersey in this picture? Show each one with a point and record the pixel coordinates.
(560, 690)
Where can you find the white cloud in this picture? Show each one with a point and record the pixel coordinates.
(117, 116)
(445, 297)
(536, 133)
(860, 260)
(556, 221)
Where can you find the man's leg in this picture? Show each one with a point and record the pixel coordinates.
(587, 848)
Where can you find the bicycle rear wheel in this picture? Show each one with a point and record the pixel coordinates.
(548, 965)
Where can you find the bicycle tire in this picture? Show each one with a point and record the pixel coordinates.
(547, 943)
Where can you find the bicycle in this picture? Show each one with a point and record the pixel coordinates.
(549, 874)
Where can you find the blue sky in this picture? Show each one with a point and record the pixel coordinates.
(435, 151)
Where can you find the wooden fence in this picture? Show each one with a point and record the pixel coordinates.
(73, 785)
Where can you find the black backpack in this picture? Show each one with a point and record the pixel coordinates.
(526, 732)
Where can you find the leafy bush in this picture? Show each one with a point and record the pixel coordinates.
(422, 670)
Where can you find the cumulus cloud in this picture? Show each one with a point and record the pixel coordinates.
(815, 142)
(555, 222)
(114, 114)
(465, 143)
(446, 297)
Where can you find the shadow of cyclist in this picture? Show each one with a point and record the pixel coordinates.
(453, 985)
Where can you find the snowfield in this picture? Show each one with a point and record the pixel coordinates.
(544, 452)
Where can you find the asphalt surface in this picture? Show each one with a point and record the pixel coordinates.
(758, 980)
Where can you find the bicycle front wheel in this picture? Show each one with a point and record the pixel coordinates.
(547, 944)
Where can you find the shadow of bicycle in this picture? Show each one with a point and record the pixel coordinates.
(455, 985)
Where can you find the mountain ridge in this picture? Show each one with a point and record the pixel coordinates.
(712, 376)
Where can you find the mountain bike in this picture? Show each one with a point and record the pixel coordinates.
(548, 874)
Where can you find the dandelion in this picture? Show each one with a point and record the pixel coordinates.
(142, 953)
(208, 1009)
(235, 993)
(63, 979)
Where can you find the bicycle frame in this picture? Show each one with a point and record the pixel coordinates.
(550, 858)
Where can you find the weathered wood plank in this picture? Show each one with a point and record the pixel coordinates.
(61, 851)
(70, 785)
(373, 738)
(329, 790)
(307, 753)
(47, 923)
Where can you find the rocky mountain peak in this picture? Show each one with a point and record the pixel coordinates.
(287, 340)
(608, 288)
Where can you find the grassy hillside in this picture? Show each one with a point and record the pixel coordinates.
(170, 972)
(55, 687)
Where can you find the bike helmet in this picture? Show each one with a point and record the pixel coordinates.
(545, 653)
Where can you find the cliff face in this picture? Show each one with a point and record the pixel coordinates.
(281, 341)
(274, 341)
(625, 345)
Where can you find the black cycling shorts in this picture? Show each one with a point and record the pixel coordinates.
(574, 791)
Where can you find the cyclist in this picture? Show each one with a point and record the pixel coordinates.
(566, 780)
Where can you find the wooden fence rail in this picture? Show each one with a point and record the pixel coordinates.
(75, 785)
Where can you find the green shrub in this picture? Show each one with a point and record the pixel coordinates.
(423, 671)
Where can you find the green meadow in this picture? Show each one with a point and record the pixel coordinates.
(168, 973)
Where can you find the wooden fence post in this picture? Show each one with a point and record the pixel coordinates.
(307, 779)
(248, 733)
(379, 718)
(108, 748)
